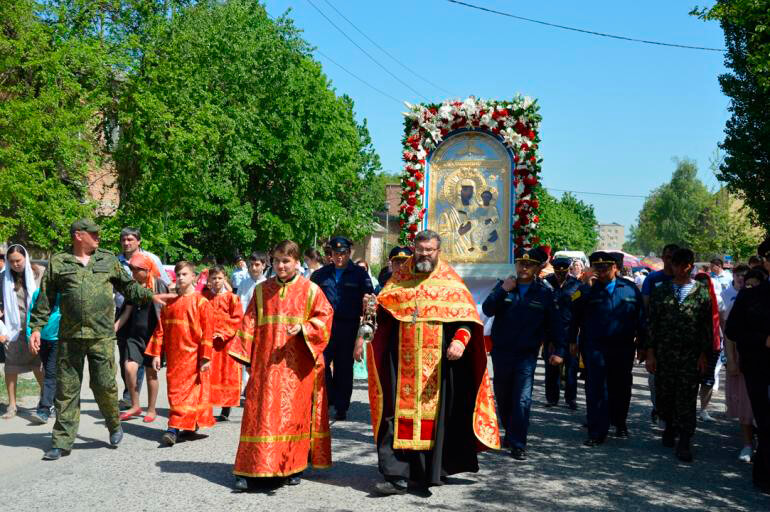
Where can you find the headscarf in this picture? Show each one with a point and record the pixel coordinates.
(716, 327)
(10, 325)
(141, 260)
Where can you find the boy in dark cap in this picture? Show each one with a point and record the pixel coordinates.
(607, 318)
(398, 255)
(344, 285)
(525, 314)
(564, 286)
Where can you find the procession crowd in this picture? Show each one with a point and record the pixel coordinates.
(282, 333)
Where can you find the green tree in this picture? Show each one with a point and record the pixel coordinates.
(746, 25)
(232, 138)
(566, 223)
(50, 93)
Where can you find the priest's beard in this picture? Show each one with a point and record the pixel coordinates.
(425, 266)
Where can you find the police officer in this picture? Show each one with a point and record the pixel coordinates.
(85, 280)
(607, 318)
(344, 285)
(525, 313)
(564, 285)
(396, 258)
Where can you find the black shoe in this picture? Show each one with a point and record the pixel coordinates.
(55, 454)
(341, 415)
(116, 437)
(519, 453)
(551, 404)
(669, 437)
(387, 488)
(591, 442)
(683, 450)
(294, 479)
(221, 418)
(169, 438)
(241, 484)
(572, 405)
(621, 432)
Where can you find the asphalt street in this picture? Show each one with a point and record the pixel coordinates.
(560, 474)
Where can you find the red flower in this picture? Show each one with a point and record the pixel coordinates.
(418, 176)
(530, 180)
(533, 159)
(401, 222)
(524, 147)
(531, 135)
(411, 201)
(516, 225)
(413, 228)
(535, 239)
(411, 237)
(524, 219)
(517, 211)
(444, 131)
(520, 128)
(535, 203)
(407, 156)
(433, 110)
(535, 219)
(515, 158)
(422, 191)
(409, 210)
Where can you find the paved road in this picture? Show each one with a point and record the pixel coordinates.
(634, 474)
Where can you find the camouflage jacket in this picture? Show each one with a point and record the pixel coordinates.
(87, 304)
(685, 329)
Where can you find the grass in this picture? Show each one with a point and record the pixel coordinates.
(24, 387)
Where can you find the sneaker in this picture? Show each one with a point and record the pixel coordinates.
(40, 417)
(705, 416)
(388, 488)
(746, 453)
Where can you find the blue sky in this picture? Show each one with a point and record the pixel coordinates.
(615, 113)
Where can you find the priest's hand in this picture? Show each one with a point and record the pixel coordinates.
(455, 350)
(358, 350)
(205, 365)
(293, 330)
(555, 360)
(156, 363)
(34, 342)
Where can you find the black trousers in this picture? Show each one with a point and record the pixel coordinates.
(757, 375)
(48, 391)
(608, 387)
(339, 352)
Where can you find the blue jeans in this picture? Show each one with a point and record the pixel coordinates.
(513, 379)
(48, 390)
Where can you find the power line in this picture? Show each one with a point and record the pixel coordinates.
(596, 193)
(365, 52)
(583, 31)
(343, 68)
(386, 52)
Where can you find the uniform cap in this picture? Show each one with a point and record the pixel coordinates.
(601, 257)
(84, 225)
(340, 244)
(399, 253)
(618, 256)
(561, 261)
(535, 254)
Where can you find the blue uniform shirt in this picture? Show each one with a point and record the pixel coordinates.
(653, 280)
(524, 321)
(346, 295)
(605, 318)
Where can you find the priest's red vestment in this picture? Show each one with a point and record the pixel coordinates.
(285, 419)
(225, 370)
(184, 333)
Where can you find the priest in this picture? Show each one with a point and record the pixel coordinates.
(284, 333)
(429, 390)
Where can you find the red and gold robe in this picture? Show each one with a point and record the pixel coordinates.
(225, 370)
(184, 333)
(414, 309)
(286, 416)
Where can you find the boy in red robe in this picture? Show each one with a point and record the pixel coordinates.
(185, 335)
(285, 420)
(225, 370)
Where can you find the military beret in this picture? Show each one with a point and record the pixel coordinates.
(340, 244)
(535, 254)
(561, 261)
(399, 252)
(84, 225)
(601, 257)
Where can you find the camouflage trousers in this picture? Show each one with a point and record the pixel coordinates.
(71, 356)
(676, 392)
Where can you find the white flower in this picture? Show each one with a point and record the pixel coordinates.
(445, 112)
(520, 188)
(527, 102)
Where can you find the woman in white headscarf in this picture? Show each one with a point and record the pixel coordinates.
(18, 286)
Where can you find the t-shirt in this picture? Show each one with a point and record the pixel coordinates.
(683, 290)
(246, 289)
(338, 274)
(653, 281)
(523, 288)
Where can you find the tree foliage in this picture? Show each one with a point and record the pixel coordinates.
(50, 91)
(746, 167)
(566, 223)
(684, 212)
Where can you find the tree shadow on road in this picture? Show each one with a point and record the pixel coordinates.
(218, 473)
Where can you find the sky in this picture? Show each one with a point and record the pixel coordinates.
(615, 113)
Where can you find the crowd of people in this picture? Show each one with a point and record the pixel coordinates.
(282, 332)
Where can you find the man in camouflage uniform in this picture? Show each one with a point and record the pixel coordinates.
(681, 336)
(86, 279)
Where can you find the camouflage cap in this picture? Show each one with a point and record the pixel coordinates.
(84, 225)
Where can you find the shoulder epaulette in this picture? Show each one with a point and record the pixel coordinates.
(576, 295)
